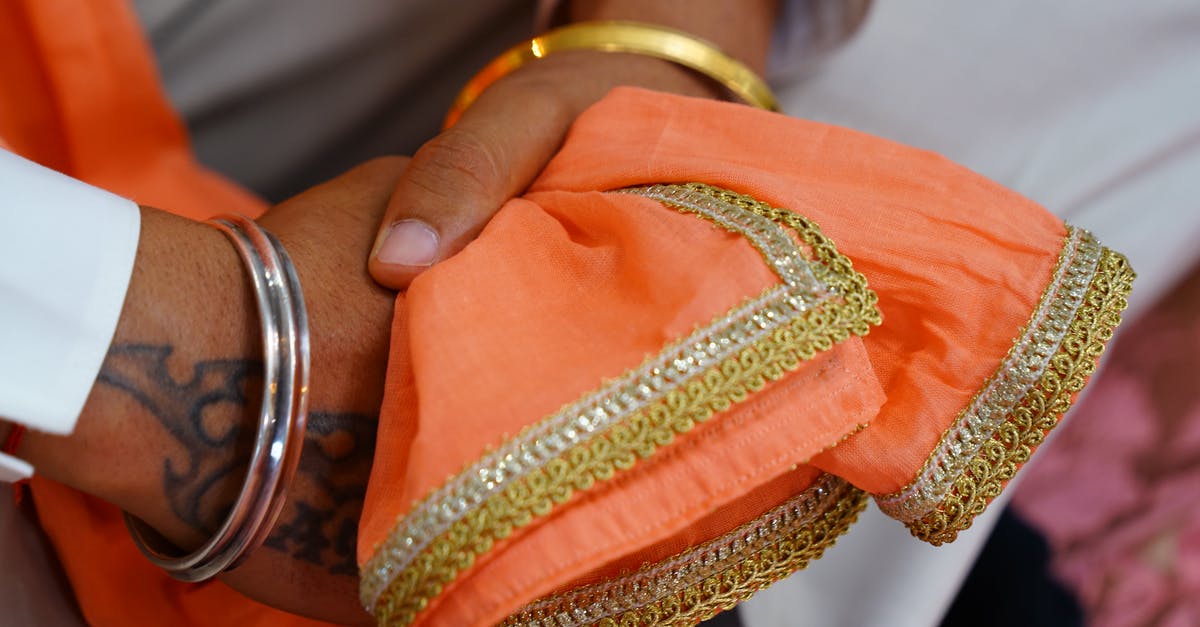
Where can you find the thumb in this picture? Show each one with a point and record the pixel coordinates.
(458, 180)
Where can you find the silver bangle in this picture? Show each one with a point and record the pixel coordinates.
(282, 420)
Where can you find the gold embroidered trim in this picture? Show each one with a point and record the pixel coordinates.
(820, 303)
(1025, 398)
(1013, 378)
(700, 582)
(537, 445)
(831, 268)
(705, 348)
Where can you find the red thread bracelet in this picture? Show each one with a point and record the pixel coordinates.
(14, 439)
(10, 447)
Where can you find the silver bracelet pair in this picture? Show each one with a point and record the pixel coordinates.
(282, 418)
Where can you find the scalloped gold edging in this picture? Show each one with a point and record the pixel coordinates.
(849, 308)
(698, 583)
(1026, 425)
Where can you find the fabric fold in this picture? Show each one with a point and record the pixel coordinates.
(990, 315)
(667, 376)
(701, 394)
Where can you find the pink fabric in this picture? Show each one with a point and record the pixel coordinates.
(1118, 491)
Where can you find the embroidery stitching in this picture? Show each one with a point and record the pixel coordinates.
(1024, 398)
(759, 341)
(699, 582)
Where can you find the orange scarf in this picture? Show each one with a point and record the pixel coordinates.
(619, 405)
(639, 405)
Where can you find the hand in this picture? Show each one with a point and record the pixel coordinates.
(166, 431)
(460, 178)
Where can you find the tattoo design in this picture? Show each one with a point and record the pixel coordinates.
(336, 460)
(206, 414)
(201, 414)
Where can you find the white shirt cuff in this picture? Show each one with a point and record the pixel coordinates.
(66, 255)
(13, 469)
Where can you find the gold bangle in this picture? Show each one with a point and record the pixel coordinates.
(633, 37)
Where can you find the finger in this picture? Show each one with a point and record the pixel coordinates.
(459, 179)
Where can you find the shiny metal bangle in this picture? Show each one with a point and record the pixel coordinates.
(282, 420)
(632, 37)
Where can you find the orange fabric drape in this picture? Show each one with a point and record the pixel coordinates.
(506, 333)
(79, 94)
(568, 288)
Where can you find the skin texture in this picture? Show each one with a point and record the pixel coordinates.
(167, 429)
(460, 178)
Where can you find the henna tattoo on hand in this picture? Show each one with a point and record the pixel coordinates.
(207, 414)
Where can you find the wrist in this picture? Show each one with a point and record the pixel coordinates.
(577, 65)
(605, 70)
(187, 329)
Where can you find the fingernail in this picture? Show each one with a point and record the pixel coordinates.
(409, 243)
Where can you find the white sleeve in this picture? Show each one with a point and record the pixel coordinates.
(66, 254)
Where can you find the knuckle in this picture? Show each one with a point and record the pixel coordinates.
(456, 162)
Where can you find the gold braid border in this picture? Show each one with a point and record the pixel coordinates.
(834, 269)
(1015, 440)
(757, 572)
(732, 580)
(599, 459)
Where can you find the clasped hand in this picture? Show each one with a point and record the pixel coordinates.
(171, 418)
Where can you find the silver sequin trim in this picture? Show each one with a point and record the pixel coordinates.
(1008, 386)
(619, 399)
(612, 598)
(763, 233)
